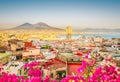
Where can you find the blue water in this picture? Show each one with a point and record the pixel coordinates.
(106, 36)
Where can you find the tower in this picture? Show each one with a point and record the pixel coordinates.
(68, 33)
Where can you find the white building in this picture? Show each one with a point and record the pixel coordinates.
(31, 52)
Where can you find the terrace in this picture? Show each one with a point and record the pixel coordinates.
(69, 58)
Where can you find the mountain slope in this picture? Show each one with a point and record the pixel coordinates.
(42, 25)
(38, 26)
(24, 26)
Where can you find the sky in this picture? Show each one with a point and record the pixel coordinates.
(61, 13)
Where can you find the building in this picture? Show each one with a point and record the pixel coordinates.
(14, 68)
(64, 64)
(68, 33)
(98, 39)
(30, 52)
(16, 46)
(5, 57)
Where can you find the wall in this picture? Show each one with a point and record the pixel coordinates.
(73, 68)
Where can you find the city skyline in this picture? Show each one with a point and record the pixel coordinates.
(60, 13)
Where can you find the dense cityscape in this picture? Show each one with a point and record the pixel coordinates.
(59, 40)
(34, 56)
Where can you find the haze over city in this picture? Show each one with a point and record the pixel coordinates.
(60, 13)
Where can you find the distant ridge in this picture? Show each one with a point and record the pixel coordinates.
(99, 30)
(38, 26)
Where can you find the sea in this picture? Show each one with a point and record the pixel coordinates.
(105, 35)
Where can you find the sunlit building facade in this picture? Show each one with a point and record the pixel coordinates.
(68, 32)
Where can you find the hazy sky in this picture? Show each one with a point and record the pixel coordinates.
(60, 13)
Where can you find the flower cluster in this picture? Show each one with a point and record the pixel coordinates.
(36, 72)
(73, 79)
(34, 75)
(105, 74)
(32, 64)
(11, 78)
(90, 73)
